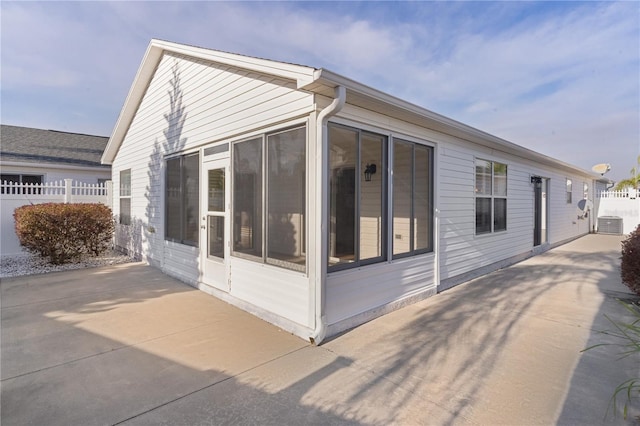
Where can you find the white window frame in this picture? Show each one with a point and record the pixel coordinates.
(125, 194)
(492, 197)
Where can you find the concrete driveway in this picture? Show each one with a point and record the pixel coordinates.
(129, 345)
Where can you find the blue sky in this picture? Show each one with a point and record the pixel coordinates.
(561, 78)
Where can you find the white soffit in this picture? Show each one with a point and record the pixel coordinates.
(322, 82)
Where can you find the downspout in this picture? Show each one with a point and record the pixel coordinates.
(322, 154)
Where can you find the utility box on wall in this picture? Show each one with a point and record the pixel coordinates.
(610, 225)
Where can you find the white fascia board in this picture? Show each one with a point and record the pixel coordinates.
(325, 78)
(303, 75)
(54, 166)
(132, 102)
(299, 73)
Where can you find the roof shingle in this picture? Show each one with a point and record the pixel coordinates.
(30, 145)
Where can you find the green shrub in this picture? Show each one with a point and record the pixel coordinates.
(630, 266)
(64, 232)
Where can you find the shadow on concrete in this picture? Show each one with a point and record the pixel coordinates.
(601, 369)
(141, 348)
(458, 339)
(138, 347)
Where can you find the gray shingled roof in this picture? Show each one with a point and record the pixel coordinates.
(29, 145)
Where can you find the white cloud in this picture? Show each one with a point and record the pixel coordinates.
(562, 80)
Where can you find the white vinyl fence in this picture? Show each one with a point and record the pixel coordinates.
(14, 195)
(620, 204)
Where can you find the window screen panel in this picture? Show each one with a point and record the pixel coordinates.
(173, 200)
(247, 197)
(343, 154)
(286, 181)
(402, 196)
(422, 228)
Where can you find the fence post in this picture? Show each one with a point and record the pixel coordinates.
(109, 184)
(67, 190)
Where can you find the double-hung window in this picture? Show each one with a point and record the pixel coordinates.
(269, 199)
(182, 202)
(491, 196)
(125, 197)
(569, 191)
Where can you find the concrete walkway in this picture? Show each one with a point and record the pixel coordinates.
(129, 345)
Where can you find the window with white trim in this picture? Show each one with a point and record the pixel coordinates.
(125, 197)
(491, 196)
(569, 191)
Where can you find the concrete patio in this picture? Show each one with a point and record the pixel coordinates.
(129, 345)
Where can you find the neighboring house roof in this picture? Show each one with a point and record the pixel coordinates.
(319, 81)
(28, 145)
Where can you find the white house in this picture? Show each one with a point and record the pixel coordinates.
(37, 156)
(316, 202)
(45, 166)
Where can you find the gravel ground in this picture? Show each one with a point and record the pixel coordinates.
(29, 264)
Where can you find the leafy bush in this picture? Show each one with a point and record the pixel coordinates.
(63, 232)
(630, 266)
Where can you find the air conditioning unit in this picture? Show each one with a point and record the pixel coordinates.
(610, 225)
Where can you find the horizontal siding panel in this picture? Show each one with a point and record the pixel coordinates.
(189, 103)
(181, 261)
(463, 251)
(276, 290)
(350, 293)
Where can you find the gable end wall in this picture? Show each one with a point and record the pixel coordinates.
(189, 103)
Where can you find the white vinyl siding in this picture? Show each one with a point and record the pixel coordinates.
(357, 291)
(190, 103)
(462, 252)
(280, 291)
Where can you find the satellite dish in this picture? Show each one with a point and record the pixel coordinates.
(601, 168)
(583, 208)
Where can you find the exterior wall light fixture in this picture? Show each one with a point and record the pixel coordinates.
(369, 170)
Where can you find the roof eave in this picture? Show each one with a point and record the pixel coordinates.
(303, 75)
(325, 81)
(132, 102)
